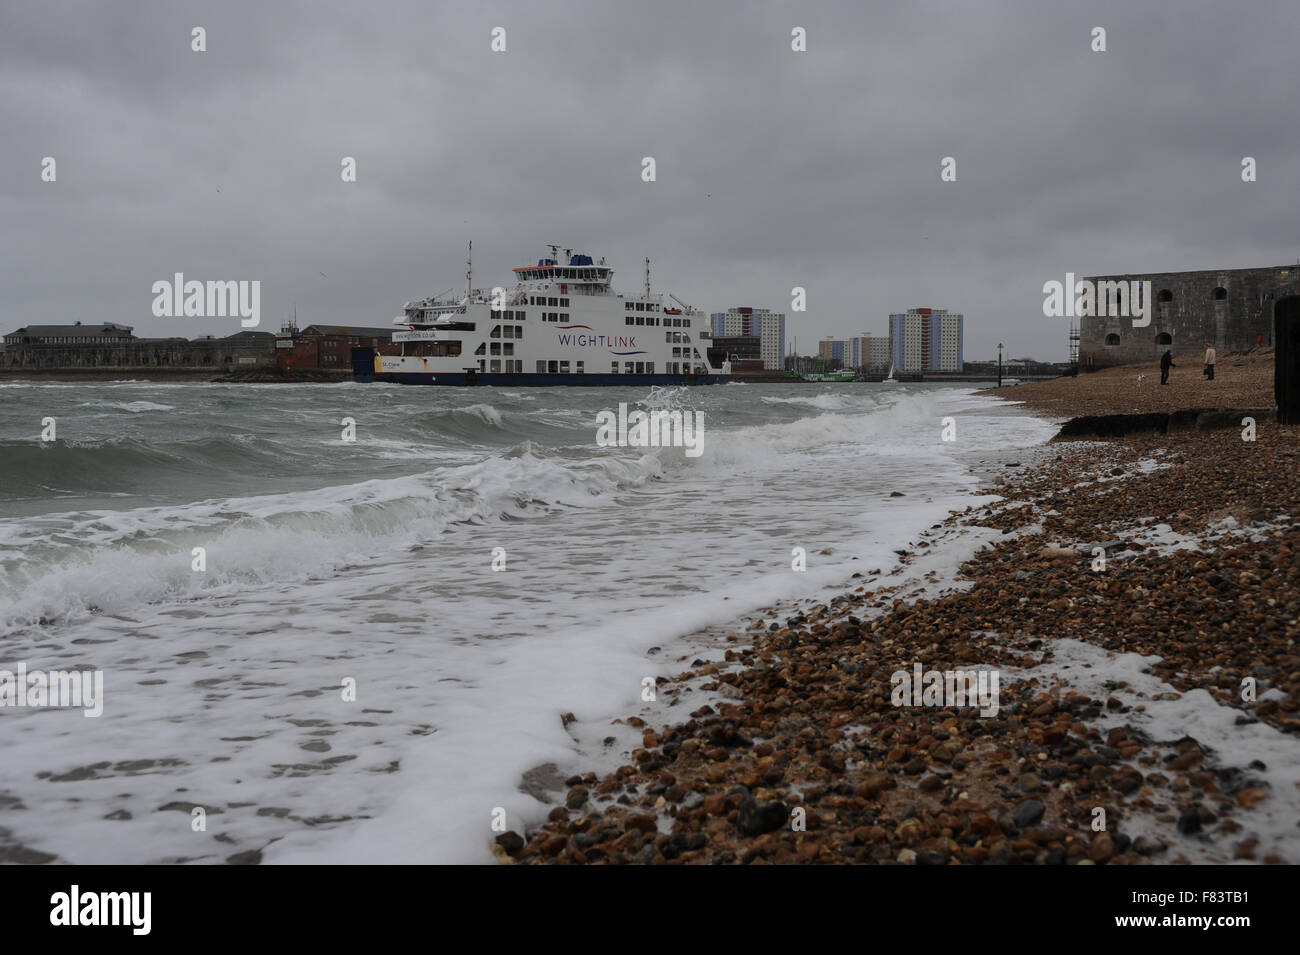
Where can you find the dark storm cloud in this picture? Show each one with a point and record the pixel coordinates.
(775, 168)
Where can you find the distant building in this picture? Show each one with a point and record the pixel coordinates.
(53, 347)
(761, 323)
(327, 346)
(874, 351)
(836, 350)
(926, 339)
(74, 334)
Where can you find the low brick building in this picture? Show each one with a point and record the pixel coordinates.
(327, 346)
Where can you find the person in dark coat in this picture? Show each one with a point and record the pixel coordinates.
(1166, 362)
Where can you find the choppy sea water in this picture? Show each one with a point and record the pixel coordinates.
(372, 562)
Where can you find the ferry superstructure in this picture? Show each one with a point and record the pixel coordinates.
(562, 324)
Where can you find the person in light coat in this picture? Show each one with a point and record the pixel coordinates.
(1209, 361)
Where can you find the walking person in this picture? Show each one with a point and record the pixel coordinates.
(1209, 361)
(1166, 362)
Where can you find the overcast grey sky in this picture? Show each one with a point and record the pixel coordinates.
(775, 168)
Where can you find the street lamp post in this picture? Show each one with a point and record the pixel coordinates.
(999, 364)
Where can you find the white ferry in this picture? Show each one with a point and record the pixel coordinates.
(562, 324)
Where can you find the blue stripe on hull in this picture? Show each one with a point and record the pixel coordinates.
(534, 380)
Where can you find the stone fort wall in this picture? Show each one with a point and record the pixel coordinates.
(141, 353)
(1229, 307)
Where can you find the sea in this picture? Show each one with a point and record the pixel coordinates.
(339, 623)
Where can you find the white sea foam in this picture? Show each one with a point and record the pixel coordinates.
(229, 679)
(133, 406)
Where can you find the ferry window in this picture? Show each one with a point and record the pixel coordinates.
(553, 302)
(668, 336)
(579, 368)
(640, 319)
(613, 368)
(481, 350)
(551, 367)
(496, 348)
(564, 368)
(649, 368)
(541, 367)
(627, 306)
(519, 317)
(519, 333)
(508, 348)
(494, 315)
(510, 316)
(494, 366)
(564, 303)
(564, 316)
(640, 307)
(496, 332)
(627, 368)
(628, 320)
(454, 349)
(640, 368)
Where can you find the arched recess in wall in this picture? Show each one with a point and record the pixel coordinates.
(1112, 339)
(1220, 293)
(1164, 295)
(1164, 338)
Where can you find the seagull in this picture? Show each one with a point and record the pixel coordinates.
(323, 274)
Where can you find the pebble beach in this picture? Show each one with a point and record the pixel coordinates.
(1137, 598)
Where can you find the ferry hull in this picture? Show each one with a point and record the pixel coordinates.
(541, 381)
